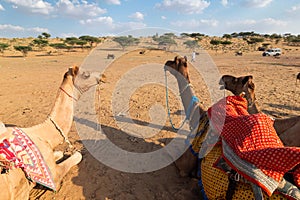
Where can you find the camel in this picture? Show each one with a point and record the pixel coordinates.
(187, 163)
(287, 128)
(112, 56)
(215, 182)
(47, 135)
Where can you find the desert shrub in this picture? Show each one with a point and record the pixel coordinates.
(23, 49)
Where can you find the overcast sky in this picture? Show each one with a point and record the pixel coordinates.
(65, 18)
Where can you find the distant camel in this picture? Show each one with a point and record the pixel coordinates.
(215, 182)
(112, 56)
(41, 140)
(298, 77)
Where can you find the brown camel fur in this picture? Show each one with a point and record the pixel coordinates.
(286, 128)
(52, 132)
(188, 163)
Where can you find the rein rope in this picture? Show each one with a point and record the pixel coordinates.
(69, 94)
(57, 126)
(61, 132)
(188, 113)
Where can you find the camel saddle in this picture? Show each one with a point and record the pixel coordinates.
(17, 150)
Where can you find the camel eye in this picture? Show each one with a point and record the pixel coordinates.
(85, 75)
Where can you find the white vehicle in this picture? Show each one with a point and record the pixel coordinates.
(272, 52)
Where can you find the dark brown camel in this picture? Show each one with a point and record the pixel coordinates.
(188, 162)
(286, 128)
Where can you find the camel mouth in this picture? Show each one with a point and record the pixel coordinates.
(167, 68)
(222, 84)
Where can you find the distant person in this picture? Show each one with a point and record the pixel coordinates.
(193, 56)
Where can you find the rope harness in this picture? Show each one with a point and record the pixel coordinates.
(194, 100)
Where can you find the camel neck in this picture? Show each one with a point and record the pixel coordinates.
(62, 113)
(190, 103)
(253, 108)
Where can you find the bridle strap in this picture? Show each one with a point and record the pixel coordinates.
(68, 94)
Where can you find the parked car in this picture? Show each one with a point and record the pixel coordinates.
(272, 52)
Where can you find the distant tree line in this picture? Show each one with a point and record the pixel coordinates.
(42, 41)
(165, 41)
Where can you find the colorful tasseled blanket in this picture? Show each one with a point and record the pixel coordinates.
(18, 151)
(253, 139)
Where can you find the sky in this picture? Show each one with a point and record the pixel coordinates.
(74, 18)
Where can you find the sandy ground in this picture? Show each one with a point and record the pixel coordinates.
(27, 93)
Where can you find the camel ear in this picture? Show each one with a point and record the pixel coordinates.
(176, 60)
(251, 85)
(73, 71)
(247, 79)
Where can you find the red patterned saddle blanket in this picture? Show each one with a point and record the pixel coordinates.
(253, 139)
(18, 151)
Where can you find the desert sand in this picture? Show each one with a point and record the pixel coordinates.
(28, 87)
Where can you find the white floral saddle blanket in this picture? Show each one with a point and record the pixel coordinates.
(18, 151)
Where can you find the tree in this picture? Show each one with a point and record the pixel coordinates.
(234, 35)
(59, 45)
(254, 40)
(3, 47)
(23, 49)
(46, 35)
(90, 39)
(124, 41)
(191, 44)
(215, 43)
(165, 40)
(171, 35)
(71, 41)
(227, 36)
(184, 35)
(225, 43)
(293, 40)
(81, 43)
(197, 36)
(275, 36)
(40, 43)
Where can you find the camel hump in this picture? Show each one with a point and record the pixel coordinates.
(2, 128)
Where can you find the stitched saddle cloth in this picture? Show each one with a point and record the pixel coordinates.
(251, 146)
(18, 151)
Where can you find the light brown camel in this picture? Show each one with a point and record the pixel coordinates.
(47, 135)
(286, 128)
(215, 182)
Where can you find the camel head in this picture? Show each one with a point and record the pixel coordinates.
(179, 64)
(82, 79)
(238, 85)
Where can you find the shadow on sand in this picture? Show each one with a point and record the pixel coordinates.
(102, 182)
